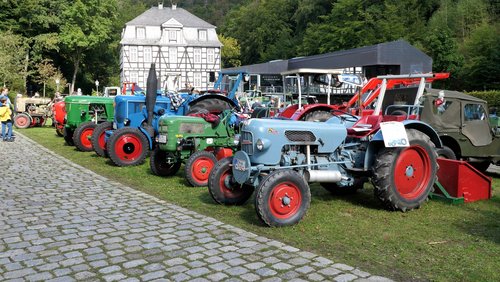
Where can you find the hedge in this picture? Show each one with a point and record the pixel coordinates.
(491, 96)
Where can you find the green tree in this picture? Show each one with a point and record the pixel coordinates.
(12, 63)
(231, 52)
(86, 26)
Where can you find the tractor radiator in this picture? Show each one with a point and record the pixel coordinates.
(300, 136)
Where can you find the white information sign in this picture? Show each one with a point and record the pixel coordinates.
(162, 139)
(394, 134)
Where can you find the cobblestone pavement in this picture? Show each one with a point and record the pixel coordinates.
(62, 222)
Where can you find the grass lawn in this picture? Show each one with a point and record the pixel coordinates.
(438, 242)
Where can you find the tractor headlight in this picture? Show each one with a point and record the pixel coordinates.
(126, 122)
(236, 140)
(260, 145)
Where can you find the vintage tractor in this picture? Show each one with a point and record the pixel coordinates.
(463, 124)
(31, 111)
(278, 158)
(58, 116)
(197, 141)
(128, 142)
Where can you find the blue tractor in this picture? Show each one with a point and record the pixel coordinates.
(131, 136)
(278, 158)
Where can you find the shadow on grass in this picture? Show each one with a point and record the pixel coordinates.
(362, 198)
(486, 224)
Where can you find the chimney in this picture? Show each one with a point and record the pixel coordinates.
(160, 6)
(174, 6)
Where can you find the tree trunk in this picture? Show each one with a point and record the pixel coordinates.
(76, 65)
(25, 74)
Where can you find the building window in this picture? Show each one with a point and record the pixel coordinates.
(197, 79)
(197, 55)
(202, 35)
(172, 36)
(147, 55)
(141, 33)
(134, 77)
(133, 54)
(172, 55)
(210, 56)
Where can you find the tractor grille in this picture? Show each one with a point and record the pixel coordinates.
(246, 141)
(300, 136)
(191, 128)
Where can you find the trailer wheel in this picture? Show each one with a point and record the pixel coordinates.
(221, 187)
(283, 198)
(198, 167)
(404, 177)
(213, 105)
(446, 153)
(159, 166)
(317, 116)
(98, 138)
(337, 189)
(68, 136)
(127, 146)
(82, 135)
(22, 121)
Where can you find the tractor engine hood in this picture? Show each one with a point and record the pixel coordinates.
(264, 139)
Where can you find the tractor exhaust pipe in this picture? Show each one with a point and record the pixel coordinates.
(322, 176)
(151, 85)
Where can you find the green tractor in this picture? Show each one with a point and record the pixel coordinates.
(198, 141)
(83, 115)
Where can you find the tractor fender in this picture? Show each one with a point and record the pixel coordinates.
(377, 141)
(150, 140)
(299, 115)
(215, 96)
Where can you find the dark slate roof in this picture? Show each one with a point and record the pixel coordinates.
(156, 17)
(397, 52)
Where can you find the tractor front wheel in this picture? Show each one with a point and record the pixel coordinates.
(221, 187)
(22, 121)
(68, 136)
(159, 166)
(404, 177)
(283, 198)
(82, 135)
(198, 168)
(98, 138)
(127, 146)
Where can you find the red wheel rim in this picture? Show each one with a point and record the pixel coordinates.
(412, 172)
(285, 200)
(227, 191)
(101, 139)
(85, 137)
(128, 147)
(201, 168)
(22, 121)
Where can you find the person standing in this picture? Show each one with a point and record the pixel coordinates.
(6, 120)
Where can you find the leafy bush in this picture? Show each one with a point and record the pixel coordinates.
(492, 97)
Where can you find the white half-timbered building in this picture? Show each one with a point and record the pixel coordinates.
(184, 48)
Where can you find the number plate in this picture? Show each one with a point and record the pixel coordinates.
(239, 165)
(162, 139)
(394, 134)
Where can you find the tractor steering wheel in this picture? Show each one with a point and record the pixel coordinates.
(344, 115)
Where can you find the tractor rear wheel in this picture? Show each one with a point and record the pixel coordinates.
(283, 198)
(127, 146)
(221, 187)
(159, 166)
(82, 135)
(337, 189)
(317, 116)
(98, 140)
(212, 105)
(68, 136)
(198, 168)
(404, 177)
(22, 121)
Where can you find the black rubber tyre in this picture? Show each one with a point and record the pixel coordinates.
(446, 153)
(404, 177)
(481, 166)
(82, 135)
(198, 167)
(222, 190)
(159, 166)
(212, 105)
(282, 198)
(98, 143)
(127, 146)
(60, 131)
(22, 121)
(317, 116)
(337, 189)
(68, 136)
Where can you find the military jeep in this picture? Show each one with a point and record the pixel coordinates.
(465, 129)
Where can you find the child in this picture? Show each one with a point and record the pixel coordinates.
(5, 114)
